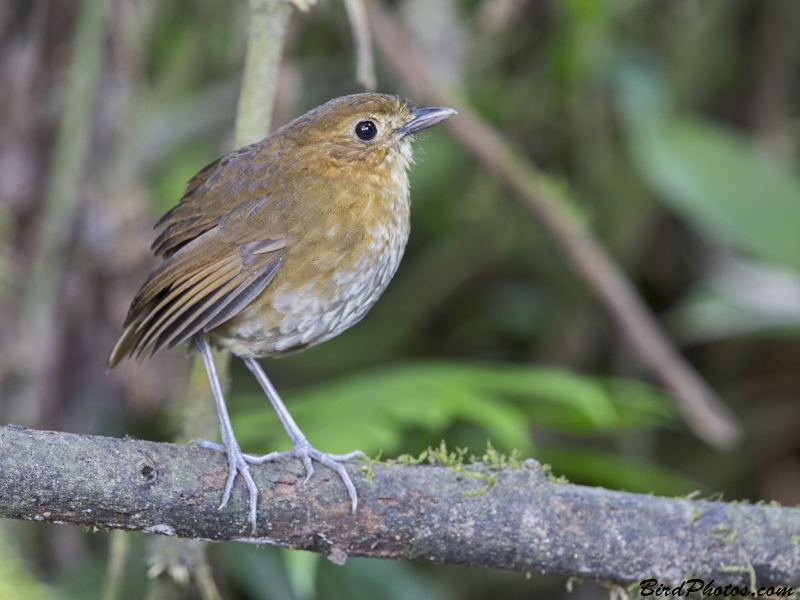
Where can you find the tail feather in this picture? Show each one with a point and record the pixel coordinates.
(125, 345)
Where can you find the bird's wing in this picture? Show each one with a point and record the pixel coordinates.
(212, 193)
(217, 261)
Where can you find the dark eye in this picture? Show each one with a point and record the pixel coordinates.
(366, 130)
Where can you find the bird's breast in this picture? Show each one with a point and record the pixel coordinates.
(339, 265)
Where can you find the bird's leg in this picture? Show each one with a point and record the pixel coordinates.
(302, 448)
(236, 459)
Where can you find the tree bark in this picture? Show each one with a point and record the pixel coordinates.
(517, 519)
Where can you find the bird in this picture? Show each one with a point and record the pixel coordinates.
(279, 246)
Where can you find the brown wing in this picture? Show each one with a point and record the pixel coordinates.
(218, 260)
(211, 194)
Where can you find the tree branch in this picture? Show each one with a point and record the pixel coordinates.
(269, 20)
(522, 521)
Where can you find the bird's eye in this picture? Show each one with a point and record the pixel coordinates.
(366, 130)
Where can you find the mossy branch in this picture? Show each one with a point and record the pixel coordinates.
(524, 520)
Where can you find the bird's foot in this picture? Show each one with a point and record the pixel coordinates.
(306, 453)
(237, 464)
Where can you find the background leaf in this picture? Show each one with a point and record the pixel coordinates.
(712, 175)
(373, 410)
(605, 469)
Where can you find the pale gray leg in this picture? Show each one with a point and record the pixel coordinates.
(236, 459)
(302, 448)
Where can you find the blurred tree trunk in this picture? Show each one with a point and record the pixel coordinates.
(40, 333)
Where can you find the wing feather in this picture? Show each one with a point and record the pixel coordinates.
(173, 298)
(225, 303)
(182, 327)
(174, 236)
(167, 312)
(242, 299)
(220, 252)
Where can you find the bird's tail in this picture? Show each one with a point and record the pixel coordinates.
(125, 345)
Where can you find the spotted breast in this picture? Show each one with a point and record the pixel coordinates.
(336, 270)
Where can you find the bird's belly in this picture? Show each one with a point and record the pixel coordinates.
(291, 317)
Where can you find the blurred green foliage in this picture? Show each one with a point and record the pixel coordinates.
(711, 175)
(17, 579)
(176, 170)
(372, 410)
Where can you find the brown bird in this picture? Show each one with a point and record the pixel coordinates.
(279, 246)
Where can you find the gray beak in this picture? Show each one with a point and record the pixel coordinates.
(422, 118)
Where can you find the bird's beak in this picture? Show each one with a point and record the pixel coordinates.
(422, 118)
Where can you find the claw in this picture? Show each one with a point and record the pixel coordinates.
(208, 445)
(302, 449)
(237, 464)
(306, 453)
(308, 466)
(232, 470)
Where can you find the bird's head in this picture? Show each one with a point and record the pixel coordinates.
(370, 129)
